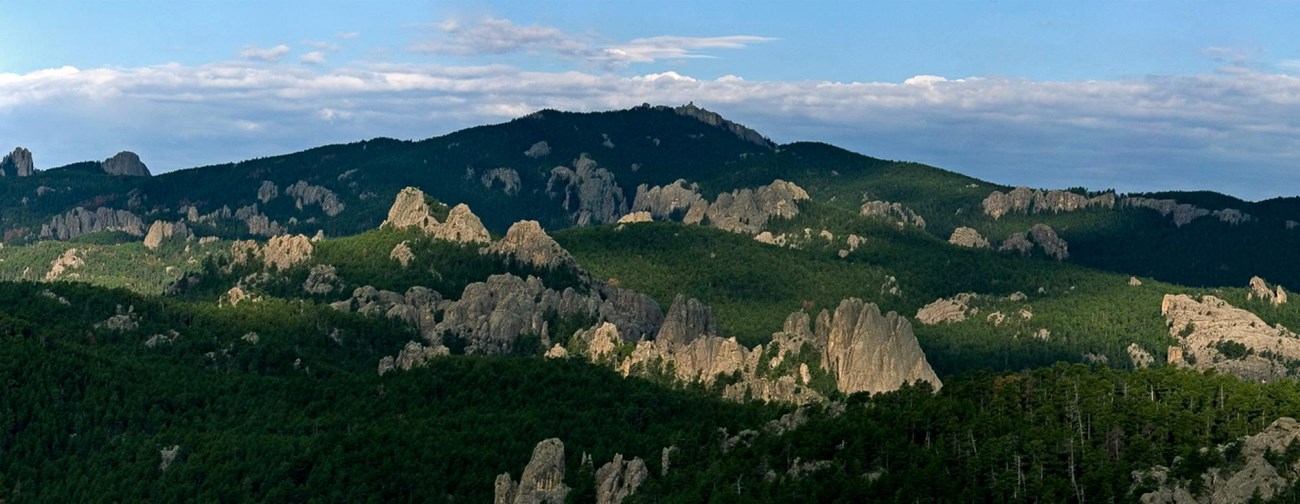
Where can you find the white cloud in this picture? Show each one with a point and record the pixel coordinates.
(264, 53)
(646, 50)
(493, 36)
(313, 58)
(348, 35)
(1231, 132)
(500, 36)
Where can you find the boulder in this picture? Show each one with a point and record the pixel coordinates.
(125, 163)
(968, 237)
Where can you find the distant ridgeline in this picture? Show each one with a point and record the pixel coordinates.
(584, 169)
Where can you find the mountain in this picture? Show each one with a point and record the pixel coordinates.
(640, 305)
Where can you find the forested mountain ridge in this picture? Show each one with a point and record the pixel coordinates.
(576, 169)
(747, 323)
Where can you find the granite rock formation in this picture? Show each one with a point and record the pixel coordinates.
(1052, 245)
(588, 192)
(1026, 200)
(1217, 335)
(670, 202)
(1252, 475)
(741, 211)
(619, 479)
(305, 194)
(411, 210)
(17, 164)
(267, 191)
(126, 164)
(508, 178)
(895, 212)
(542, 480)
(529, 243)
(1259, 290)
(946, 310)
(968, 237)
(161, 231)
(79, 221)
(1182, 213)
(713, 119)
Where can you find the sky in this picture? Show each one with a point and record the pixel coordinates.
(1133, 95)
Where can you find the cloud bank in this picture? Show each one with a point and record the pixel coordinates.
(1233, 131)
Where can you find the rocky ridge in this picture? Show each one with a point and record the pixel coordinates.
(1025, 200)
(509, 179)
(713, 119)
(529, 243)
(1259, 290)
(1183, 213)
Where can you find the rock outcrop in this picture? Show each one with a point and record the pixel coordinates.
(490, 316)
(968, 237)
(588, 192)
(126, 164)
(1259, 290)
(529, 243)
(305, 194)
(946, 310)
(542, 480)
(267, 191)
(1252, 475)
(462, 226)
(1213, 334)
(741, 211)
(671, 202)
(413, 355)
(618, 480)
(161, 231)
(321, 279)
(538, 150)
(1052, 245)
(1183, 213)
(713, 119)
(1026, 200)
(402, 254)
(417, 308)
(635, 217)
(79, 221)
(281, 252)
(411, 210)
(856, 349)
(69, 260)
(747, 211)
(1140, 357)
(17, 164)
(1017, 242)
(895, 212)
(508, 177)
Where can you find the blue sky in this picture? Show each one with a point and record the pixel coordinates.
(1127, 95)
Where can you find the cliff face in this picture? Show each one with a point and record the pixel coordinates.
(1253, 474)
(79, 221)
(17, 164)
